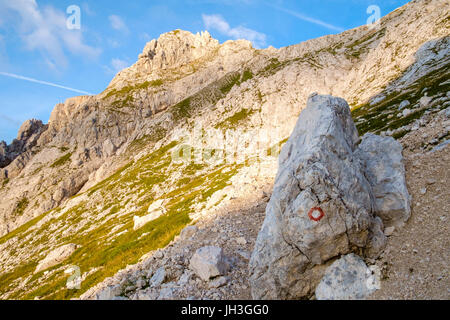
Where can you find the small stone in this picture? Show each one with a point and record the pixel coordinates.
(158, 278)
(188, 232)
(406, 112)
(166, 293)
(241, 241)
(423, 191)
(389, 231)
(141, 283)
(158, 255)
(404, 104)
(209, 262)
(244, 254)
(431, 181)
(218, 282)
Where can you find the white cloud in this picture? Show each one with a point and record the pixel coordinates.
(119, 65)
(117, 23)
(116, 66)
(218, 23)
(45, 30)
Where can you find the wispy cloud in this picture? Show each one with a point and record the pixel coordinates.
(217, 22)
(119, 64)
(117, 23)
(45, 30)
(306, 18)
(16, 76)
(10, 120)
(116, 66)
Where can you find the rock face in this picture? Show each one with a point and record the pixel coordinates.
(56, 256)
(209, 262)
(27, 137)
(322, 205)
(347, 279)
(384, 168)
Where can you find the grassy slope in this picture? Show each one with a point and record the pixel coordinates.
(100, 249)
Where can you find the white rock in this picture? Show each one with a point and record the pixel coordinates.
(166, 294)
(109, 293)
(321, 204)
(404, 104)
(406, 112)
(425, 101)
(56, 257)
(383, 166)
(347, 279)
(188, 232)
(389, 231)
(209, 262)
(158, 278)
(218, 282)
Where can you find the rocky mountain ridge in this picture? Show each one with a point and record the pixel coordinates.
(103, 160)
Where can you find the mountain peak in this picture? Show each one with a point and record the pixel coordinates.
(176, 48)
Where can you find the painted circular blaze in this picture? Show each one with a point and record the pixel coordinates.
(316, 214)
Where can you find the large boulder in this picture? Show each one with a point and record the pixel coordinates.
(383, 166)
(209, 262)
(322, 205)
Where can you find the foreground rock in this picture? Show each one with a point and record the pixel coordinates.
(383, 166)
(347, 279)
(209, 262)
(56, 257)
(322, 205)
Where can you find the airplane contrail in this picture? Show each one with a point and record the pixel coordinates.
(9, 119)
(308, 19)
(16, 76)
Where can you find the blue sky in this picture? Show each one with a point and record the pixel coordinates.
(35, 43)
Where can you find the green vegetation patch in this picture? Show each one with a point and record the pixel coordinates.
(197, 185)
(21, 206)
(235, 120)
(383, 115)
(62, 161)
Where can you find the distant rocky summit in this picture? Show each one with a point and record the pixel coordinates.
(27, 138)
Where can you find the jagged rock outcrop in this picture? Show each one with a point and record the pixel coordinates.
(322, 205)
(27, 137)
